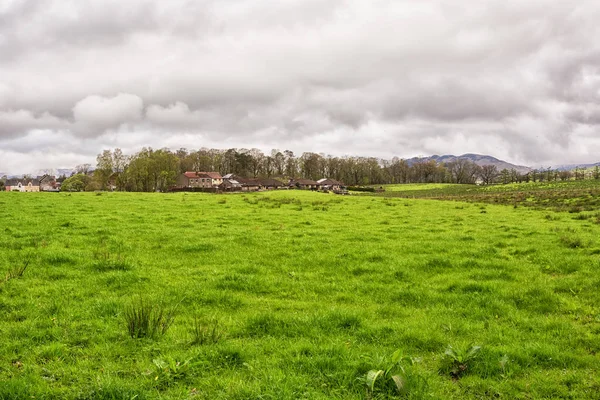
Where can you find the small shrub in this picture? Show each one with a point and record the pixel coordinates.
(146, 319)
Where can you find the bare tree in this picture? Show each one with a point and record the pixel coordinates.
(83, 168)
(463, 170)
(488, 174)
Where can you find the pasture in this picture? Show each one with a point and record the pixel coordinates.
(291, 294)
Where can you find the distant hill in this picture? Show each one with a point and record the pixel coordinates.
(56, 172)
(569, 167)
(476, 158)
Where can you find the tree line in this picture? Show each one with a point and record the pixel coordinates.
(152, 170)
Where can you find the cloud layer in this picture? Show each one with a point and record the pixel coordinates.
(517, 80)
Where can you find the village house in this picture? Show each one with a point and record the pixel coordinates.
(111, 184)
(235, 182)
(331, 184)
(215, 177)
(195, 180)
(270, 184)
(22, 185)
(305, 184)
(249, 185)
(48, 183)
(230, 185)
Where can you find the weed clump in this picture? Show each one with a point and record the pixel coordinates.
(16, 271)
(397, 377)
(456, 362)
(572, 242)
(168, 370)
(205, 333)
(145, 319)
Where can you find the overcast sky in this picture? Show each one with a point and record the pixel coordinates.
(518, 80)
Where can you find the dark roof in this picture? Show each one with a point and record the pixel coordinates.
(24, 182)
(270, 182)
(330, 182)
(304, 182)
(230, 183)
(250, 182)
(46, 178)
(11, 182)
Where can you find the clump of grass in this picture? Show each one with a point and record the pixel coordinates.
(222, 201)
(16, 271)
(110, 257)
(572, 242)
(581, 217)
(146, 319)
(206, 333)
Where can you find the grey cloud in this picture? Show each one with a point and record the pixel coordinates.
(94, 115)
(31, 25)
(20, 122)
(438, 75)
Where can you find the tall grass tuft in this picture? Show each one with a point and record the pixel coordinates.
(16, 271)
(208, 333)
(146, 319)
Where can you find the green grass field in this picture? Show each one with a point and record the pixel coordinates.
(571, 196)
(292, 295)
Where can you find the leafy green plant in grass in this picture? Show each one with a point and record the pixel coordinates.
(146, 319)
(456, 362)
(396, 378)
(168, 370)
(206, 333)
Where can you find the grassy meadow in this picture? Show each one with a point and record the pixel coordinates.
(291, 295)
(571, 196)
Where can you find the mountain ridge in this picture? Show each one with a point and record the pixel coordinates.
(479, 159)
